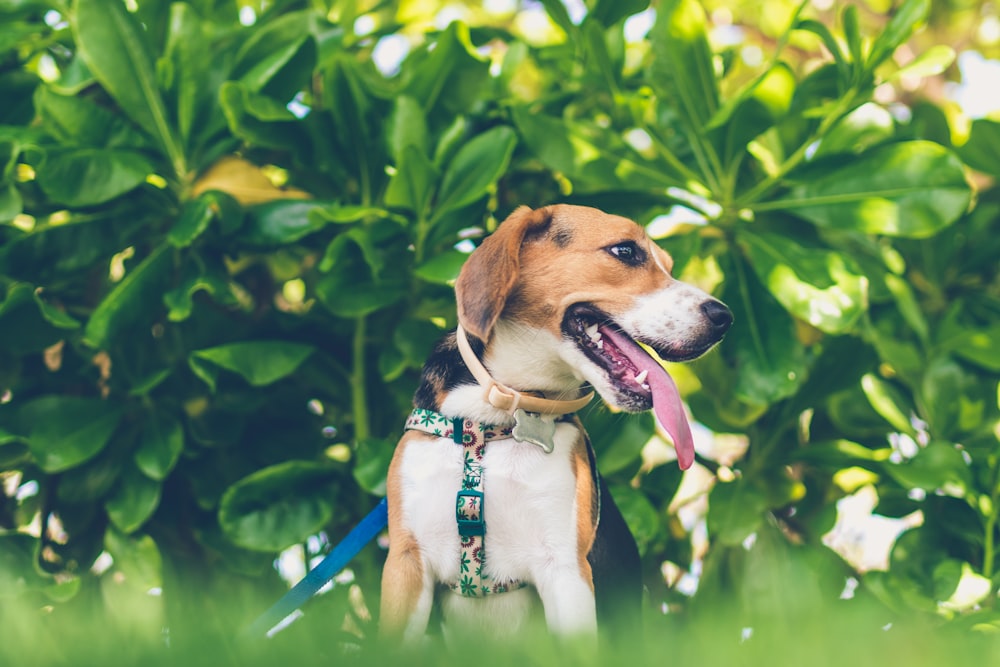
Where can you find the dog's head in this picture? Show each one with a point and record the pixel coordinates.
(599, 285)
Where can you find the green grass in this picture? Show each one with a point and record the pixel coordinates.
(98, 630)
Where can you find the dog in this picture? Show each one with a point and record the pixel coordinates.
(493, 490)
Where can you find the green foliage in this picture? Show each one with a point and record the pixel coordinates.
(225, 251)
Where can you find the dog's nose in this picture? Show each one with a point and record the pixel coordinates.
(719, 316)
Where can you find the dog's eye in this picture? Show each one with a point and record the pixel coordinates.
(628, 253)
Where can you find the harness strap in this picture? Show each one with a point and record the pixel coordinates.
(470, 507)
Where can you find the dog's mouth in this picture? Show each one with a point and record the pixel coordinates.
(638, 379)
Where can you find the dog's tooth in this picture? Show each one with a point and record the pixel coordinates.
(596, 337)
(592, 331)
(641, 377)
(600, 344)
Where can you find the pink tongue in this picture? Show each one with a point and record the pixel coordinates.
(666, 399)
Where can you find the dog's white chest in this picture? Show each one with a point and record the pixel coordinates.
(529, 505)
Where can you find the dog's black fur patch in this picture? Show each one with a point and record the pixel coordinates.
(443, 371)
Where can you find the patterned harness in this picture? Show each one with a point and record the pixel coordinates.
(473, 580)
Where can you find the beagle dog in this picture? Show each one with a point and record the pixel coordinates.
(493, 491)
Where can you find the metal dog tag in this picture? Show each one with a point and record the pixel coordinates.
(530, 427)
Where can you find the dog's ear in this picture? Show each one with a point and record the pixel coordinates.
(490, 273)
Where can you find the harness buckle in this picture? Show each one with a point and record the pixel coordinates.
(469, 513)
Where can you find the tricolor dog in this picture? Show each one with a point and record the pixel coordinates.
(494, 500)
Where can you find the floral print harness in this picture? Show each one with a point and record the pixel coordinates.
(473, 581)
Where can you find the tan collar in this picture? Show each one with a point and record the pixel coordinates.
(507, 399)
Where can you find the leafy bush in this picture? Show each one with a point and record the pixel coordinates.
(226, 249)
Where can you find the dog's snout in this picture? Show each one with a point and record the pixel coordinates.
(718, 315)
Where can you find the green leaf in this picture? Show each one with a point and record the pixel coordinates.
(415, 339)
(452, 74)
(11, 202)
(347, 296)
(930, 62)
(594, 158)
(133, 301)
(189, 46)
(12, 452)
(830, 42)
(763, 106)
(901, 355)
(18, 573)
(982, 150)
(133, 501)
(610, 12)
(442, 269)
(937, 467)
(888, 402)
(114, 46)
(762, 343)
(366, 273)
(951, 398)
(407, 128)
(161, 442)
(475, 169)
(28, 323)
(74, 77)
(344, 215)
(866, 126)
(735, 511)
(618, 439)
(280, 222)
(54, 316)
(977, 345)
(682, 69)
(137, 558)
(278, 506)
(642, 518)
(147, 383)
(79, 121)
(236, 559)
(196, 215)
(837, 454)
(65, 431)
(88, 176)
(912, 189)
(91, 481)
(22, 327)
(598, 57)
(852, 33)
(271, 48)
(412, 342)
(260, 120)
(200, 272)
(372, 464)
(374, 240)
(815, 284)
(413, 183)
(898, 30)
(558, 13)
(909, 307)
(259, 362)
(6, 437)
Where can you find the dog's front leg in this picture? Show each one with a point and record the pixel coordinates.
(568, 599)
(407, 593)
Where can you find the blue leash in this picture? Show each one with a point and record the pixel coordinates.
(334, 562)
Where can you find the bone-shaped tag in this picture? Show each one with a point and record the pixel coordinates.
(530, 427)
